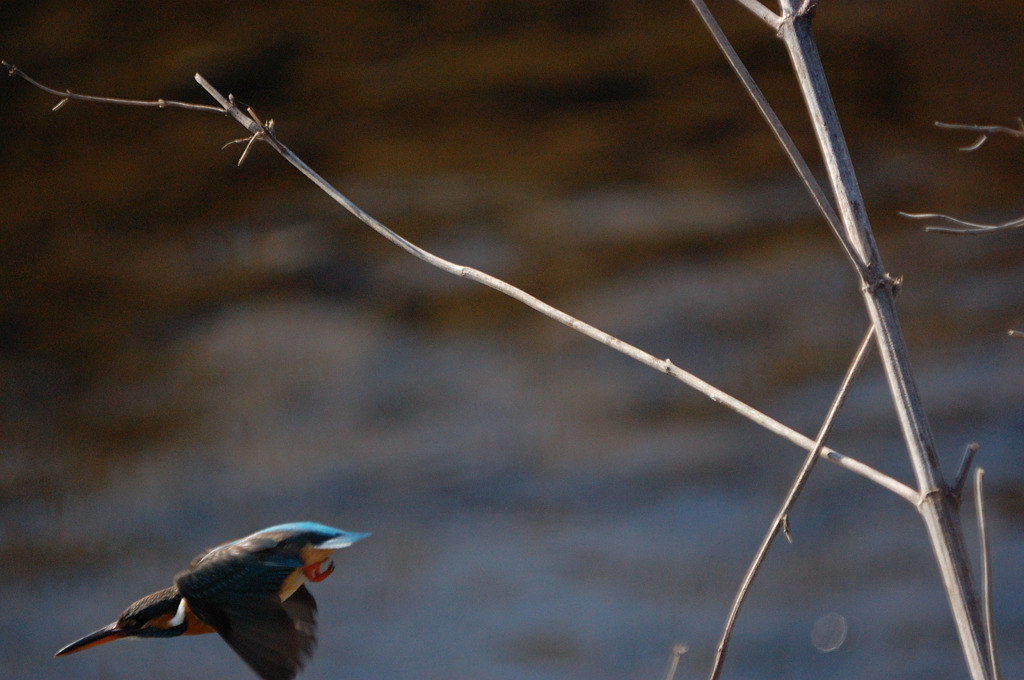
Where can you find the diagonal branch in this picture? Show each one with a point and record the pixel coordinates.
(763, 13)
(781, 521)
(778, 129)
(663, 365)
(265, 133)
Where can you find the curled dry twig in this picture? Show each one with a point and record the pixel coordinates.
(963, 227)
(984, 132)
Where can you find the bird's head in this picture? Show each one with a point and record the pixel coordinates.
(161, 614)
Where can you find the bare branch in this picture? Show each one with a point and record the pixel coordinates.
(962, 226)
(1015, 334)
(763, 13)
(781, 521)
(937, 508)
(965, 468)
(986, 572)
(265, 133)
(663, 365)
(984, 132)
(673, 664)
(798, 162)
(68, 95)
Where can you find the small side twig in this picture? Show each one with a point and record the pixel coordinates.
(778, 129)
(763, 13)
(986, 573)
(68, 95)
(962, 226)
(1015, 334)
(984, 132)
(965, 468)
(781, 521)
(673, 663)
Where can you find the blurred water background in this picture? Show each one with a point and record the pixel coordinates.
(190, 351)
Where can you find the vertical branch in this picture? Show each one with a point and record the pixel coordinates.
(938, 507)
(986, 571)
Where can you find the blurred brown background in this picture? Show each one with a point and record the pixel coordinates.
(190, 351)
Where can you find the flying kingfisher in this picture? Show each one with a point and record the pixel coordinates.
(251, 591)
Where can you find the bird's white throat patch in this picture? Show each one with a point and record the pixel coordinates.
(179, 616)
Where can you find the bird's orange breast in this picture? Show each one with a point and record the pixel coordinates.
(196, 626)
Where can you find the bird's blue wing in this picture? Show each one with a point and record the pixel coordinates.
(235, 589)
(274, 638)
(254, 566)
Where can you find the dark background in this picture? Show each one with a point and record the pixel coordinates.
(190, 351)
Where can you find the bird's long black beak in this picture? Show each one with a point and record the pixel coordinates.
(97, 637)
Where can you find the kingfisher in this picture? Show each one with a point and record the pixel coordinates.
(251, 591)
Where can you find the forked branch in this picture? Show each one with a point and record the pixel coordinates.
(938, 506)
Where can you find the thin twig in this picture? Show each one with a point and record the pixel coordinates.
(763, 13)
(965, 468)
(963, 227)
(986, 572)
(1015, 334)
(265, 133)
(778, 129)
(68, 95)
(937, 508)
(673, 663)
(984, 132)
(781, 520)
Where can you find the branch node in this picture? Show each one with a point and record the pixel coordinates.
(886, 280)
